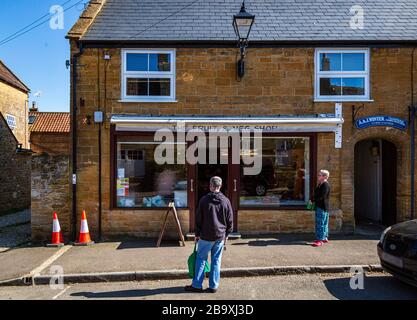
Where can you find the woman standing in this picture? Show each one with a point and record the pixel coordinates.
(321, 201)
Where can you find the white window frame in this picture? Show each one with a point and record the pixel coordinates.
(148, 74)
(341, 74)
(11, 118)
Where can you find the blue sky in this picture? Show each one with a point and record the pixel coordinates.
(38, 57)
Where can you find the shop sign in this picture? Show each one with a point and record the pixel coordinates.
(381, 121)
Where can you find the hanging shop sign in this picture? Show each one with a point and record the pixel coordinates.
(381, 121)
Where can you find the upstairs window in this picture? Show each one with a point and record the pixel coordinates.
(148, 75)
(342, 75)
(11, 121)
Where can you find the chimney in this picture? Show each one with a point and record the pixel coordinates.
(34, 107)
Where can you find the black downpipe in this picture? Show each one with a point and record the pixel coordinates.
(99, 153)
(74, 141)
(412, 133)
(99, 184)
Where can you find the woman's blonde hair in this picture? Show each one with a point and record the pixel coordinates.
(325, 173)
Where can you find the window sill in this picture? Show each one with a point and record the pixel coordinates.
(276, 208)
(344, 100)
(147, 208)
(146, 101)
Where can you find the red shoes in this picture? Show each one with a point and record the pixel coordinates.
(317, 243)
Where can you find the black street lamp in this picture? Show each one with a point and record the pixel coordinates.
(242, 23)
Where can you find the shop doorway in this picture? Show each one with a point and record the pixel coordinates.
(199, 179)
(375, 182)
(205, 172)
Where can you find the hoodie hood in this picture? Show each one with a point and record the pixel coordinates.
(216, 197)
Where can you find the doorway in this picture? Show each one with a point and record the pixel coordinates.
(201, 174)
(375, 182)
(205, 172)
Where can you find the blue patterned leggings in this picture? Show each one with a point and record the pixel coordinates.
(322, 224)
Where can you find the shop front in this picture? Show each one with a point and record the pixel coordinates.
(284, 150)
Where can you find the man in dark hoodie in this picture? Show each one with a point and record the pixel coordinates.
(213, 223)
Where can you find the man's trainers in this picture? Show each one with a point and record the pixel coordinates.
(325, 240)
(211, 290)
(317, 243)
(192, 289)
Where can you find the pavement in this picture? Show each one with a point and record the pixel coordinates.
(138, 260)
(376, 286)
(14, 230)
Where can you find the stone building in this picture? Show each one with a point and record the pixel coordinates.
(14, 97)
(14, 172)
(327, 93)
(14, 156)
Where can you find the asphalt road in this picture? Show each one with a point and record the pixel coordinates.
(293, 287)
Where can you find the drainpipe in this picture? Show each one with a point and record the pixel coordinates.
(74, 140)
(412, 134)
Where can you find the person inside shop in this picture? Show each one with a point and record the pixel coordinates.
(213, 224)
(321, 202)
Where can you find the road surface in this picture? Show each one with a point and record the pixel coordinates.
(299, 287)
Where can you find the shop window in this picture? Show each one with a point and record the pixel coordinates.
(285, 176)
(11, 121)
(148, 75)
(342, 75)
(141, 182)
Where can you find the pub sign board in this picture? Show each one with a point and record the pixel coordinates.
(381, 121)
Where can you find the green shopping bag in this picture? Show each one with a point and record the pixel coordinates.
(311, 206)
(191, 263)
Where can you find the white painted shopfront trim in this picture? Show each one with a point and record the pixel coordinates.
(277, 124)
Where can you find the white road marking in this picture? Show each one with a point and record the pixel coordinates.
(49, 261)
(61, 293)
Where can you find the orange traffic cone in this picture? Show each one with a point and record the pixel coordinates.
(57, 238)
(84, 239)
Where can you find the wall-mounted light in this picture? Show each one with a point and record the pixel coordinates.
(242, 24)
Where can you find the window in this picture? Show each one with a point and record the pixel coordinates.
(148, 76)
(285, 176)
(32, 119)
(141, 182)
(11, 121)
(342, 75)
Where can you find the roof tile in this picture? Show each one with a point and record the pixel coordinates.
(58, 122)
(137, 20)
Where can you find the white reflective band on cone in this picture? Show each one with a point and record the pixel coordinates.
(84, 226)
(55, 226)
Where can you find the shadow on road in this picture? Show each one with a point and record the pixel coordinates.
(375, 288)
(129, 293)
